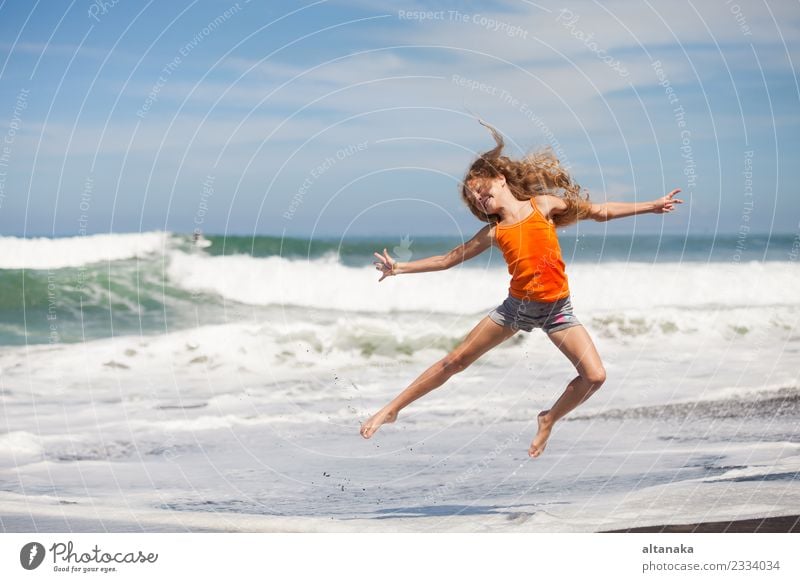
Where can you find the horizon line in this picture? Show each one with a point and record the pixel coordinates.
(384, 234)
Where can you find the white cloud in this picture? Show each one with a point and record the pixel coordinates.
(63, 50)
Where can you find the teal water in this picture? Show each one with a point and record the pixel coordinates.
(581, 248)
(141, 294)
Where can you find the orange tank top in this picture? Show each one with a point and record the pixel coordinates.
(531, 249)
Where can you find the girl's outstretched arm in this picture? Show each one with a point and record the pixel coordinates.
(552, 206)
(610, 210)
(473, 247)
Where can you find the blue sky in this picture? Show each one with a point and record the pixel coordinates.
(352, 117)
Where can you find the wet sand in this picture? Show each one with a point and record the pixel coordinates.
(202, 523)
(783, 524)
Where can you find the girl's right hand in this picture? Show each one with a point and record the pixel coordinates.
(666, 203)
(385, 264)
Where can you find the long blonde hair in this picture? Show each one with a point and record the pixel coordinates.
(537, 173)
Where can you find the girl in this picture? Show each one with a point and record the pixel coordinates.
(523, 201)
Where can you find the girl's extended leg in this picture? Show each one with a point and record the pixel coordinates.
(483, 337)
(576, 344)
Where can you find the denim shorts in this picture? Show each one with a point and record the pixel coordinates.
(526, 315)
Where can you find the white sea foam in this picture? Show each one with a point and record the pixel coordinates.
(259, 416)
(326, 284)
(49, 253)
(19, 447)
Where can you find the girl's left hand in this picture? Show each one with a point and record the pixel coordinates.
(667, 203)
(385, 264)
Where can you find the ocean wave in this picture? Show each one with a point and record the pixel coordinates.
(19, 447)
(326, 284)
(158, 281)
(76, 251)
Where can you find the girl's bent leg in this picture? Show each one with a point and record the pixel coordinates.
(575, 343)
(483, 337)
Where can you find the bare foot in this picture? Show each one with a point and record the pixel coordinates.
(540, 440)
(371, 426)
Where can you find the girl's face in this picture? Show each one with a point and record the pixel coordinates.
(487, 193)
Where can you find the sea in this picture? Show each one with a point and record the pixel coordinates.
(154, 382)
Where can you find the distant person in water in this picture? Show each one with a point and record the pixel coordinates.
(523, 201)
